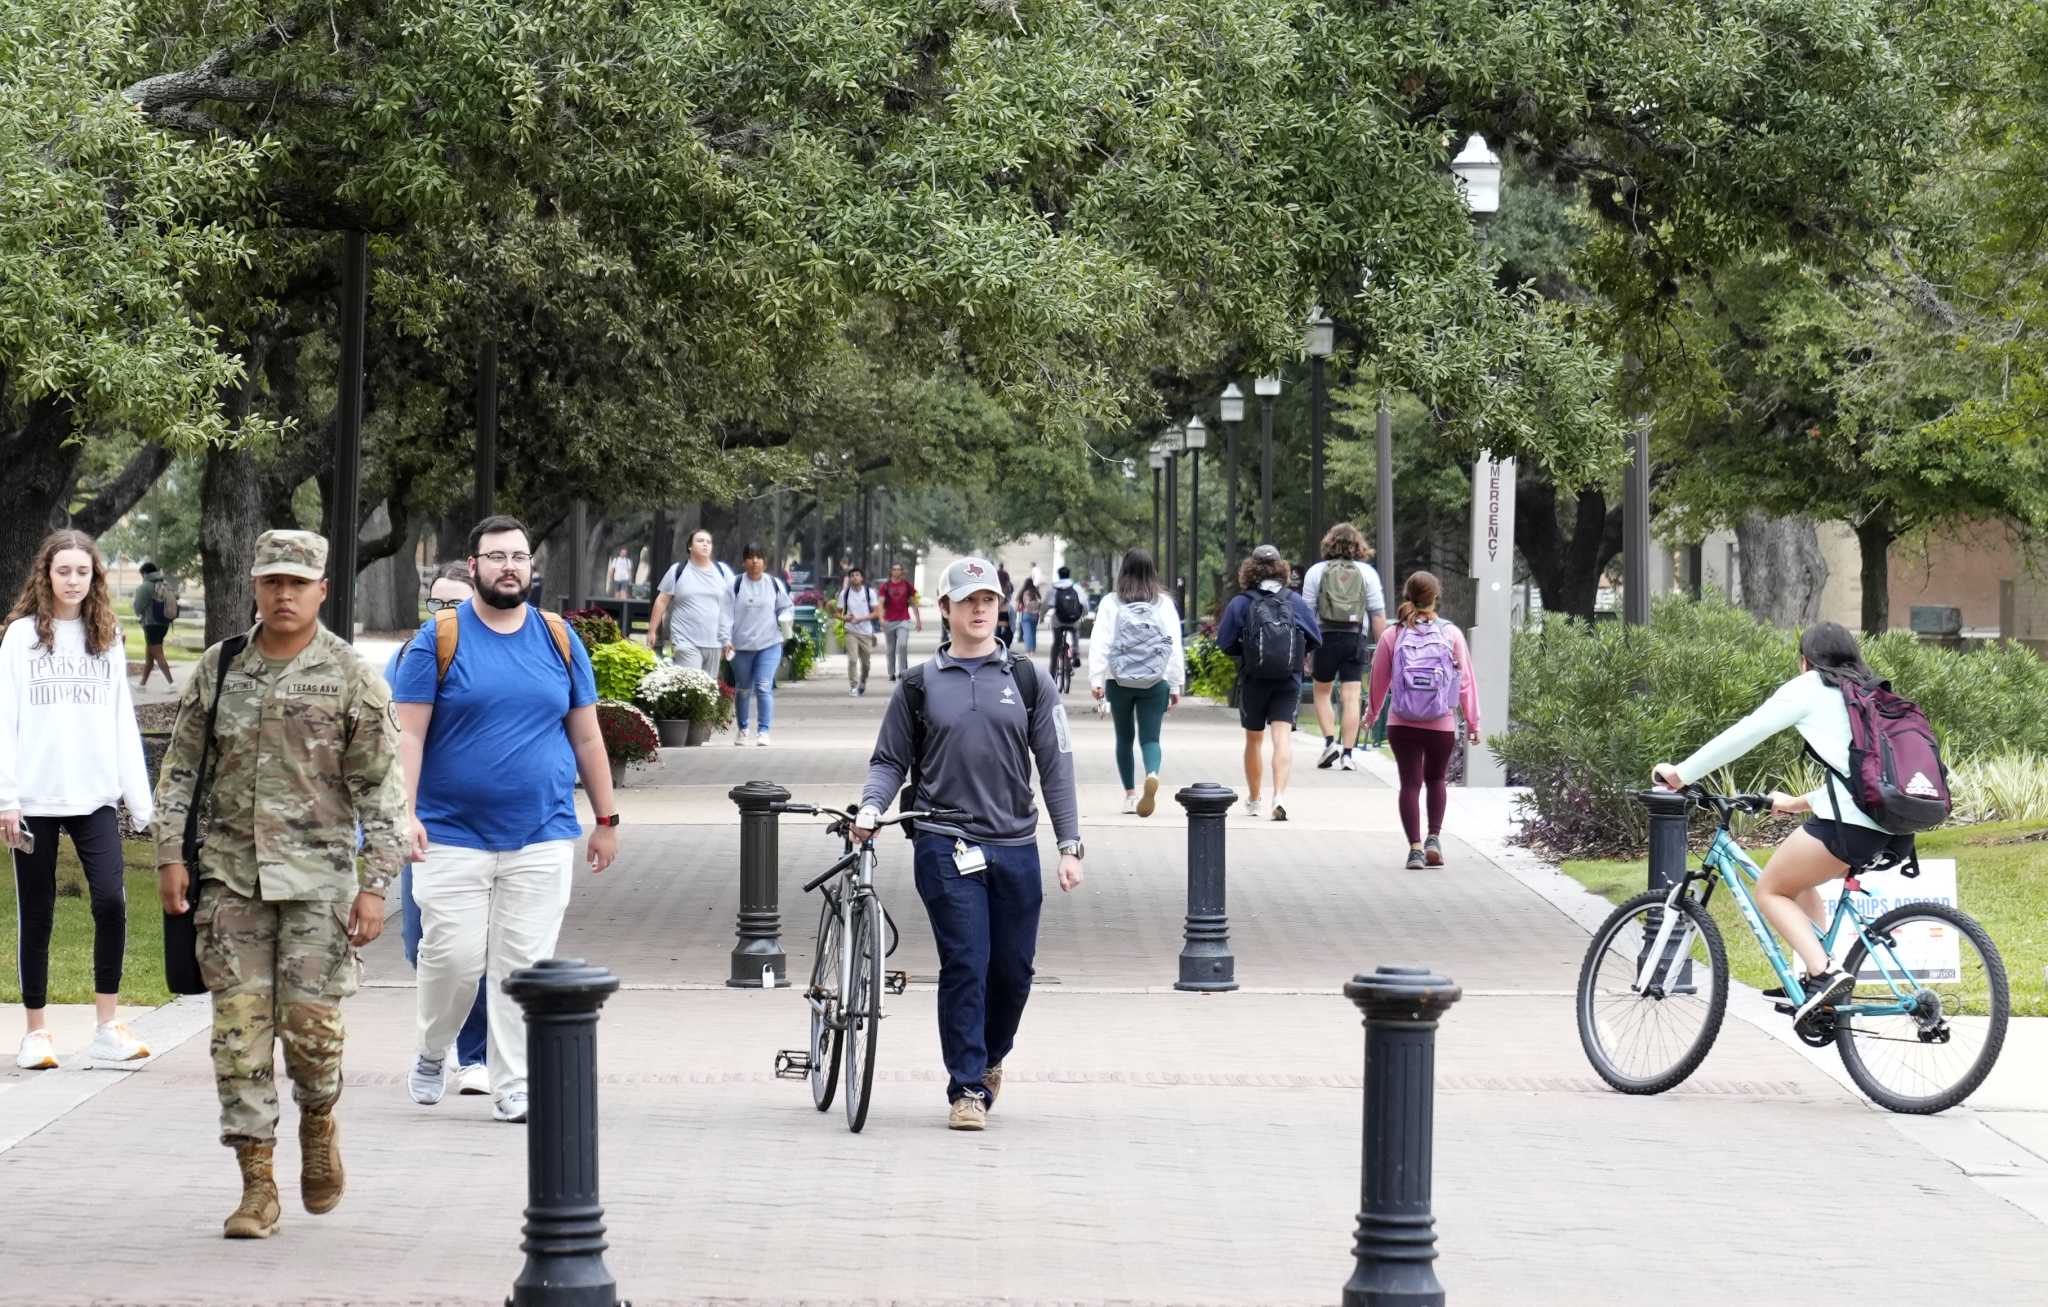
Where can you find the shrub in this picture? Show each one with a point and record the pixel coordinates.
(1211, 672)
(665, 692)
(629, 734)
(799, 654)
(2007, 787)
(1992, 700)
(594, 626)
(618, 667)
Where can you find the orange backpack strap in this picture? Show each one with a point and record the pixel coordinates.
(560, 630)
(448, 629)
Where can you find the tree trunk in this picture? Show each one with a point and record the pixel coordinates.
(1874, 536)
(230, 516)
(1783, 569)
(388, 590)
(1566, 567)
(41, 463)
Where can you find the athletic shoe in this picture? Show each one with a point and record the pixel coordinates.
(1279, 809)
(1130, 803)
(1251, 807)
(1349, 762)
(473, 1079)
(510, 1109)
(862, 691)
(853, 692)
(36, 1053)
(1433, 851)
(739, 737)
(761, 740)
(992, 1080)
(112, 1043)
(1149, 799)
(428, 1080)
(1824, 990)
(967, 1113)
(1415, 861)
(1331, 750)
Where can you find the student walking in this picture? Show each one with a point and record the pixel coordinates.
(899, 608)
(966, 726)
(1030, 603)
(761, 621)
(1269, 629)
(859, 607)
(1352, 612)
(1135, 663)
(156, 607)
(496, 702)
(695, 596)
(1422, 664)
(622, 574)
(295, 735)
(69, 750)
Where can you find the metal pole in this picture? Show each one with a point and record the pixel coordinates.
(1155, 516)
(1206, 965)
(1173, 525)
(1383, 430)
(759, 956)
(1670, 817)
(1635, 537)
(1266, 472)
(1193, 598)
(486, 429)
(564, 1243)
(1395, 1245)
(579, 531)
(1230, 553)
(1317, 399)
(1695, 569)
(342, 505)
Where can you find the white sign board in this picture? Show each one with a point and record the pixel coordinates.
(1926, 948)
(1493, 601)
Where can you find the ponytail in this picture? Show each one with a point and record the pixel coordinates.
(1418, 598)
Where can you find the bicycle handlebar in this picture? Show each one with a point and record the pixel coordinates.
(1722, 804)
(852, 811)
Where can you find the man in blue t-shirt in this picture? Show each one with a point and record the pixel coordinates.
(492, 750)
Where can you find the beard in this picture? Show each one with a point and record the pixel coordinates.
(498, 598)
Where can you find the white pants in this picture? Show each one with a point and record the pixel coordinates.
(479, 909)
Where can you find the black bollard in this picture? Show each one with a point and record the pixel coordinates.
(564, 1243)
(1395, 1246)
(1206, 965)
(760, 919)
(1670, 820)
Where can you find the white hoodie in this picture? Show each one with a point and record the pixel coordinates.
(69, 743)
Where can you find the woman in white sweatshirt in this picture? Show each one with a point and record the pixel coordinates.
(69, 748)
(1135, 662)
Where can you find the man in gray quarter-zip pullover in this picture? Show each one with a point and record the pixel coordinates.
(968, 723)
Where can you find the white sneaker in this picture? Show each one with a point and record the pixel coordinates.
(1330, 752)
(761, 740)
(1279, 808)
(853, 692)
(1130, 803)
(428, 1080)
(1251, 807)
(112, 1043)
(511, 1108)
(1349, 762)
(473, 1079)
(739, 737)
(36, 1053)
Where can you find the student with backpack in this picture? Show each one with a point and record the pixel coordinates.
(156, 607)
(1883, 782)
(762, 613)
(860, 607)
(695, 596)
(1135, 662)
(1269, 629)
(1345, 593)
(1422, 666)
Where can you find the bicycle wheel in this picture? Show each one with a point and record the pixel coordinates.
(824, 1004)
(863, 1009)
(1645, 1038)
(1934, 1056)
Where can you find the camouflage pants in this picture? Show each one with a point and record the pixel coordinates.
(276, 970)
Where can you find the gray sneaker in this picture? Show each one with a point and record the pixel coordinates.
(1433, 851)
(512, 1108)
(428, 1080)
(1415, 862)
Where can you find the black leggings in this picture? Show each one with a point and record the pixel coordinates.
(97, 837)
(1424, 757)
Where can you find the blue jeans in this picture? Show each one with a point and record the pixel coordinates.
(753, 676)
(1029, 624)
(986, 929)
(469, 1044)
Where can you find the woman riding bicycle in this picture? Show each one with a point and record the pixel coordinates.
(1788, 892)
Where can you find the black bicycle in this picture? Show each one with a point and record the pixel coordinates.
(1064, 656)
(847, 979)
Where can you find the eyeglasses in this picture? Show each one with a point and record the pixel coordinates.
(437, 605)
(500, 557)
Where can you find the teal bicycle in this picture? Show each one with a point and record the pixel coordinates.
(1917, 1039)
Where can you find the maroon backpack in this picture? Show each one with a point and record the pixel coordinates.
(1895, 772)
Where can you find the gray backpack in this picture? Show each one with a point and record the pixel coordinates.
(1140, 649)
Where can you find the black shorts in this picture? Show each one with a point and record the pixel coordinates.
(1859, 846)
(1260, 703)
(154, 634)
(1340, 657)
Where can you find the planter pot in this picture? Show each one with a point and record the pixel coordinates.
(675, 731)
(699, 732)
(618, 774)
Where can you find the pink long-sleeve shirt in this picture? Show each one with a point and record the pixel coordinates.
(1383, 680)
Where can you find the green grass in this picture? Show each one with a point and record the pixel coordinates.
(142, 976)
(132, 632)
(1998, 880)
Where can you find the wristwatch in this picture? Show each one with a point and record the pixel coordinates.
(1072, 849)
(612, 820)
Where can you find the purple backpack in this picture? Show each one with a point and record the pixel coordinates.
(1895, 772)
(1426, 678)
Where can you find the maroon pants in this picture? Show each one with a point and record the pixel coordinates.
(1424, 757)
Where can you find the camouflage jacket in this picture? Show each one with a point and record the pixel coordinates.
(302, 754)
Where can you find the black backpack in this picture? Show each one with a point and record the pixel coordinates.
(1022, 673)
(1273, 641)
(1066, 604)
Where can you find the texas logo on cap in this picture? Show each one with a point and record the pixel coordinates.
(970, 576)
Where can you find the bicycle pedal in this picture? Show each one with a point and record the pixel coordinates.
(793, 1064)
(895, 982)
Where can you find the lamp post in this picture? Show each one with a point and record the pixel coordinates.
(1320, 341)
(1197, 438)
(1477, 170)
(1156, 459)
(1268, 389)
(1233, 415)
(1173, 442)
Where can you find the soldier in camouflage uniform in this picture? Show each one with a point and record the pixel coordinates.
(305, 747)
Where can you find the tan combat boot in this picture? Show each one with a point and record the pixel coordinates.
(256, 1217)
(320, 1173)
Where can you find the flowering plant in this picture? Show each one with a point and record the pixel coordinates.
(629, 734)
(594, 626)
(665, 691)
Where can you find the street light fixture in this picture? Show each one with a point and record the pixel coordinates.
(1319, 341)
(1197, 440)
(1268, 389)
(1232, 404)
(1478, 171)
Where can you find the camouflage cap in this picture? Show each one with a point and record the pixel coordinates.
(291, 553)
